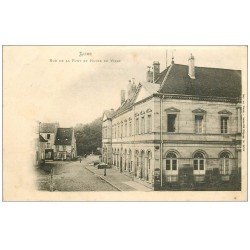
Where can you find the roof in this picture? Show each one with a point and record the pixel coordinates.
(64, 136)
(151, 87)
(41, 139)
(48, 127)
(128, 103)
(208, 81)
(109, 113)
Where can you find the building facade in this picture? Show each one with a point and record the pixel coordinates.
(55, 143)
(182, 117)
(65, 144)
(47, 131)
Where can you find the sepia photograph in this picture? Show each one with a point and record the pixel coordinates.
(125, 123)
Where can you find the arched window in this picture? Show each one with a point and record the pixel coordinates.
(115, 157)
(125, 159)
(129, 160)
(149, 157)
(148, 167)
(224, 163)
(171, 161)
(199, 163)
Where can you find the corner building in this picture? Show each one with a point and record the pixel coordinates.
(184, 116)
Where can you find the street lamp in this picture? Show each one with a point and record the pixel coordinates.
(105, 171)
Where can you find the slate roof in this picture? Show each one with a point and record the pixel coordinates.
(64, 136)
(48, 127)
(208, 82)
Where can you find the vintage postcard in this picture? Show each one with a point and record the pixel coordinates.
(125, 123)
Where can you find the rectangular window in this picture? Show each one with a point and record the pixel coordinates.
(48, 136)
(64, 147)
(198, 123)
(168, 165)
(201, 164)
(121, 130)
(137, 126)
(142, 125)
(125, 132)
(149, 124)
(195, 164)
(130, 128)
(224, 125)
(174, 164)
(171, 122)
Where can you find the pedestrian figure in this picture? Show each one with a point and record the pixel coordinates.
(80, 159)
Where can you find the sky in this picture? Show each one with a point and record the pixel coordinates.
(50, 83)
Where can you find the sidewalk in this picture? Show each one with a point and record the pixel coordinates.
(118, 180)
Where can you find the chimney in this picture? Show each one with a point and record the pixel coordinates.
(191, 67)
(149, 75)
(123, 93)
(129, 89)
(156, 69)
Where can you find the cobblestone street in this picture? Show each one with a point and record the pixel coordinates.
(76, 176)
(72, 176)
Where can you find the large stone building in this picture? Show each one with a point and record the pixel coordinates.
(184, 116)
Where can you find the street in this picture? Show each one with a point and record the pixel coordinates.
(76, 176)
(72, 176)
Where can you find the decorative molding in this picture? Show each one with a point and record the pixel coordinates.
(149, 110)
(172, 109)
(137, 114)
(224, 112)
(199, 98)
(200, 111)
(166, 142)
(142, 112)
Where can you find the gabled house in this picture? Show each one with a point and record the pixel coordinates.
(48, 131)
(65, 144)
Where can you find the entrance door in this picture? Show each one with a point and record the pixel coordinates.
(143, 165)
(199, 164)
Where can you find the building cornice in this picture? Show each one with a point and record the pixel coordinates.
(198, 98)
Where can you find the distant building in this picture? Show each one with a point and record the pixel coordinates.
(184, 116)
(55, 143)
(65, 144)
(40, 149)
(48, 132)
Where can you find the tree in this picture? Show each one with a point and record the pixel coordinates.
(88, 137)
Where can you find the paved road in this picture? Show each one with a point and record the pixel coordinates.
(72, 176)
